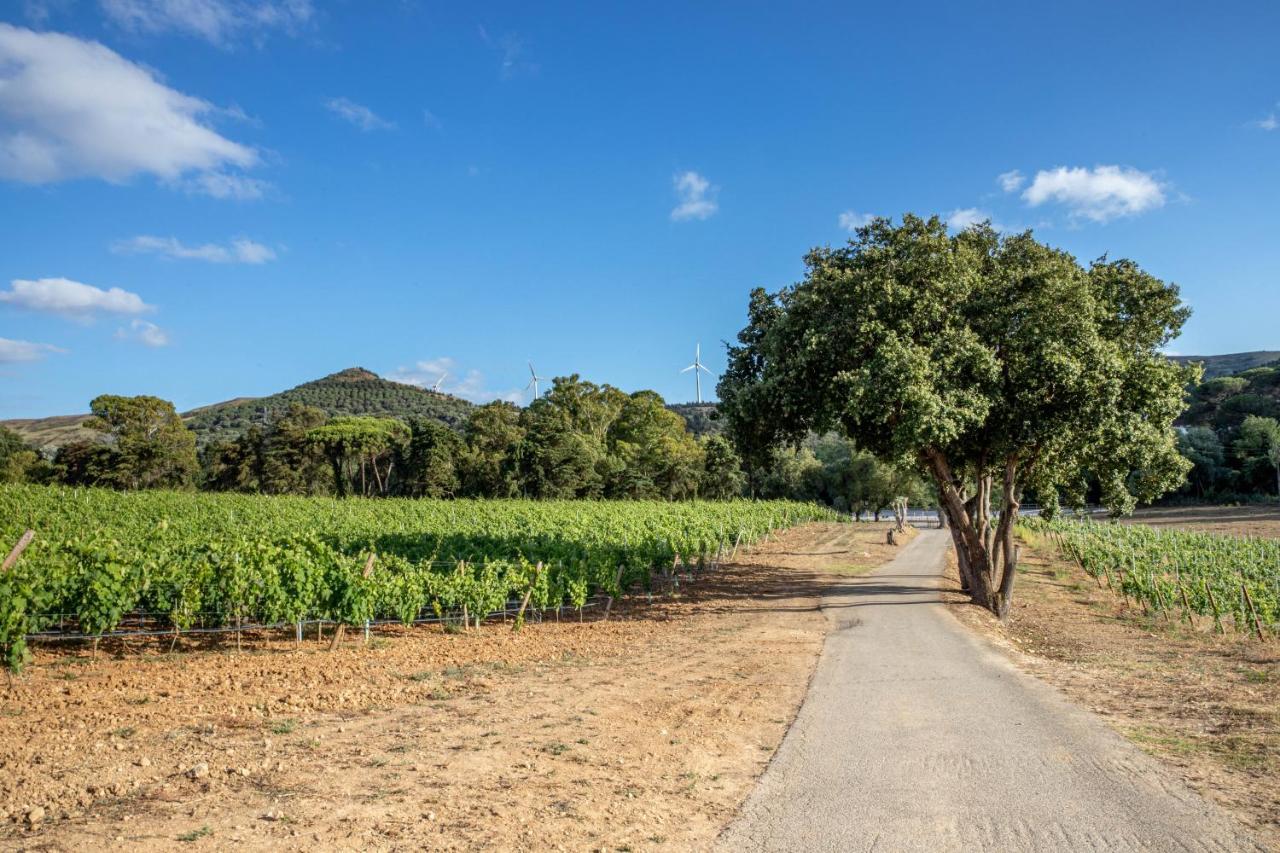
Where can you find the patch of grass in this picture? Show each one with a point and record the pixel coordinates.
(195, 834)
(1257, 676)
(556, 748)
(124, 733)
(137, 700)
(440, 694)
(283, 727)
(420, 676)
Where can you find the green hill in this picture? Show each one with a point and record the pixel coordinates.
(354, 391)
(701, 418)
(1223, 402)
(1231, 363)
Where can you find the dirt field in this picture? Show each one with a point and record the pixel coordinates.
(643, 732)
(1225, 520)
(1208, 706)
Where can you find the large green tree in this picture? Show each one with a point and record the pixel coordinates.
(1259, 446)
(361, 452)
(988, 363)
(149, 446)
(429, 461)
(489, 464)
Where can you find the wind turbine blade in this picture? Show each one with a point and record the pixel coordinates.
(690, 367)
(703, 368)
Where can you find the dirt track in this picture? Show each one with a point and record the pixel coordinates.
(647, 731)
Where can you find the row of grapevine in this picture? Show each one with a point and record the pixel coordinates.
(103, 558)
(1231, 580)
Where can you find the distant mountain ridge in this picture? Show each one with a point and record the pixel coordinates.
(1230, 363)
(354, 391)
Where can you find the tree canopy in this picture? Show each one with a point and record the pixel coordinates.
(981, 361)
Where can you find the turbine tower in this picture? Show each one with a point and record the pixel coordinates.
(534, 379)
(439, 382)
(698, 369)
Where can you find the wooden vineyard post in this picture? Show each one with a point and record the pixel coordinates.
(528, 593)
(1257, 625)
(1213, 603)
(616, 581)
(1186, 603)
(368, 570)
(16, 552)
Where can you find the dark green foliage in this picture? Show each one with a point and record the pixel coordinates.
(1225, 435)
(428, 464)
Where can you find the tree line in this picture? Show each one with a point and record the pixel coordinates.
(579, 440)
(1231, 436)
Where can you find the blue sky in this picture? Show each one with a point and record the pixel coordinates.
(213, 198)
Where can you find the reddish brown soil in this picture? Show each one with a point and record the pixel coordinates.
(1208, 706)
(646, 731)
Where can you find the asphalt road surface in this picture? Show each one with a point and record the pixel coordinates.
(917, 735)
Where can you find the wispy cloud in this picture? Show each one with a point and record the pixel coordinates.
(511, 48)
(1011, 181)
(696, 197)
(219, 22)
(469, 384)
(71, 108)
(147, 334)
(1099, 194)
(14, 351)
(72, 299)
(851, 220)
(358, 114)
(239, 251)
(1270, 122)
(966, 217)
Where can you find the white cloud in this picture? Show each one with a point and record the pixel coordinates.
(852, 220)
(220, 22)
(71, 108)
(467, 384)
(1100, 194)
(432, 120)
(1271, 122)
(965, 217)
(239, 251)
(147, 334)
(358, 114)
(72, 299)
(14, 351)
(1011, 180)
(697, 197)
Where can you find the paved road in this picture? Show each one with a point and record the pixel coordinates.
(916, 735)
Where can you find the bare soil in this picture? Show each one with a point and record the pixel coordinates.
(1207, 706)
(1225, 520)
(643, 732)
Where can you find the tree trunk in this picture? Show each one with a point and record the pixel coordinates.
(1008, 550)
(970, 542)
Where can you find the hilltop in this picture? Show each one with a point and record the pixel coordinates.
(354, 391)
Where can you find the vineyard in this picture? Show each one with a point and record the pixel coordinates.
(106, 563)
(1231, 580)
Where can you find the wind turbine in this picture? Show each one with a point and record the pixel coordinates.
(534, 379)
(439, 382)
(698, 369)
